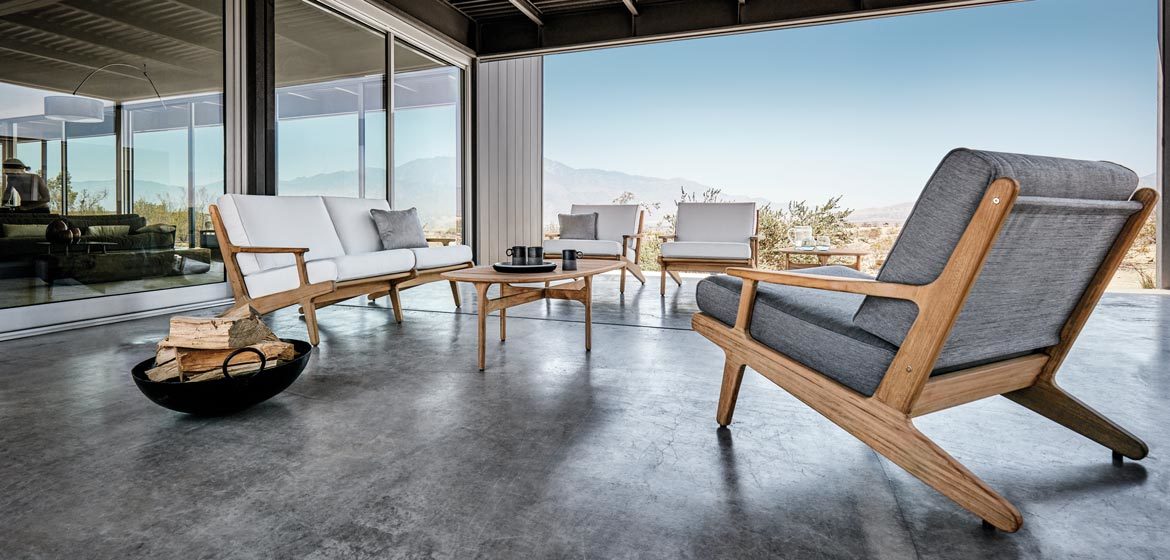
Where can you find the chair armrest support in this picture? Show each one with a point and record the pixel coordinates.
(293, 250)
(552, 236)
(831, 283)
(667, 237)
(445, 241)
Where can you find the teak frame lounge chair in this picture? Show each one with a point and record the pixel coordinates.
(950, 308)
(613, 227)
(711, 237)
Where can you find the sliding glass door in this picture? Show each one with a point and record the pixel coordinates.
(333, 133)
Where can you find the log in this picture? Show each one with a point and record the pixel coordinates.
(192, 360)
(241, 327)
(240, 369)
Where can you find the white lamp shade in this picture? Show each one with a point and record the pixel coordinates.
(71, 108)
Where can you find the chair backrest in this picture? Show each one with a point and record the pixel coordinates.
(720, 222)
(613, 220)
(1059, 232)
(354, 224)
(278, 221)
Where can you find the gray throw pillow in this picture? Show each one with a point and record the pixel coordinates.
(578, 226)
(399, 229)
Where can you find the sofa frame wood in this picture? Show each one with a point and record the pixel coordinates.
(673, 266)
(631, 264)
(884, 421)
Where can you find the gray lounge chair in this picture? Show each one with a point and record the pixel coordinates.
(991, 280)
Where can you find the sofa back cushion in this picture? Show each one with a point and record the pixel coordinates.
(1067, 216)
(721, 222)
(613, 220)
(355, 227)
(278, 221)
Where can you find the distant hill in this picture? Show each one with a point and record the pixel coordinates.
(1150, 180)
(894, 214)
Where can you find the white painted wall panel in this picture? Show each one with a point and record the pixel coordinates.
(510, 149)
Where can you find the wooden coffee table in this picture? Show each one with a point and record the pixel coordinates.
(511, 295)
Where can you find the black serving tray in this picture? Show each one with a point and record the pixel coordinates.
(226, 395)
(524, 268)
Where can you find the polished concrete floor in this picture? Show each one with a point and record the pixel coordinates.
(393, 445)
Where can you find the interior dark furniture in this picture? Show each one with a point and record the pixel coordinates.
(21, 248)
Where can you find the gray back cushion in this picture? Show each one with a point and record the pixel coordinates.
(1067, 217)
(399, 229)
(578, 226)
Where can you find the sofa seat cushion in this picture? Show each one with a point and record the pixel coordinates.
(705, 250)
(439, 256)
(586, 246)
(813, 327)
(286, 278)
(378, 263)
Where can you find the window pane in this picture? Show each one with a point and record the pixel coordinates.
(330, 108)
(116, 161)
(427, 140)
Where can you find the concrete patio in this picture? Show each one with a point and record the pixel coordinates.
(393, 445)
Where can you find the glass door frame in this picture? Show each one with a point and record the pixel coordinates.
(398, 29)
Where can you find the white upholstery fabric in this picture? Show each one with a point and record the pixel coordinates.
(355, 227)
(437, 256)
(235, 231)
(365, 265)
(286, 278)
(699, 250)
(285, 221)
(587, 246)
(728, 222)
(613, 220)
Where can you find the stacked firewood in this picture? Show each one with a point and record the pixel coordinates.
(196, 347)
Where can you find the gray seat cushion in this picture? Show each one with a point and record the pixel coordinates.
(813, 327)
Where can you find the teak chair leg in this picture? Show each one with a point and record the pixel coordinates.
(455, 293)
(662, 282)
(396, 302)
(310, 312)
(677, 279)
(900, 442)
(636, 271)
(729, 391)
(622, 286)
(1053, 403)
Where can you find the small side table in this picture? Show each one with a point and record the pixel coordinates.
(822, 257)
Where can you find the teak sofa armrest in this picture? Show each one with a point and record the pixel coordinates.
(293, 250)
(667, 237)
(832, 283)
(630, 236)
(552, 235)
(444, 240)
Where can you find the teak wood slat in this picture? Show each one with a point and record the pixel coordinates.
(884, 421)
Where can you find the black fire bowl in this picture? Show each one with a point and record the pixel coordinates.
(223, 396)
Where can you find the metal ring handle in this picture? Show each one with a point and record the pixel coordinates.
(263, 359)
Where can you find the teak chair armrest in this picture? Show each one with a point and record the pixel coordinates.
(667, 237)
(552, 236)
(444, 240)
(831, 283)
(293, 250)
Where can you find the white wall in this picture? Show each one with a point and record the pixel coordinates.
(510, 150)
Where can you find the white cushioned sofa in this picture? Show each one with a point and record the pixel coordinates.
(318, 250)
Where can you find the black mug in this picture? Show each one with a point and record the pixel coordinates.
(536, 255)
(569, 259)
(518, 253)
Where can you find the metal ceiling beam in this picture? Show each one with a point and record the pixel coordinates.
(207, 43)
(126, 49)
(604, 26)
(528, 9)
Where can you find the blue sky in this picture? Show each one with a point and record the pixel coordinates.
(865, 108)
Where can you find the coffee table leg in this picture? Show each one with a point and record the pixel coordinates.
(503, 324)
(588, 313)
(481, 290)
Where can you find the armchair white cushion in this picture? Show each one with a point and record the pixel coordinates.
(440, 256)
(724, 222)
(586, 246)
(613, 222)
(701, 250)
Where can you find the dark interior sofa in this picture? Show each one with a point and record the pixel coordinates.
(140, 238)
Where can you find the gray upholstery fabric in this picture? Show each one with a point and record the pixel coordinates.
(1067, 217)
(813, 327)
(578, 226)
(399, 229)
